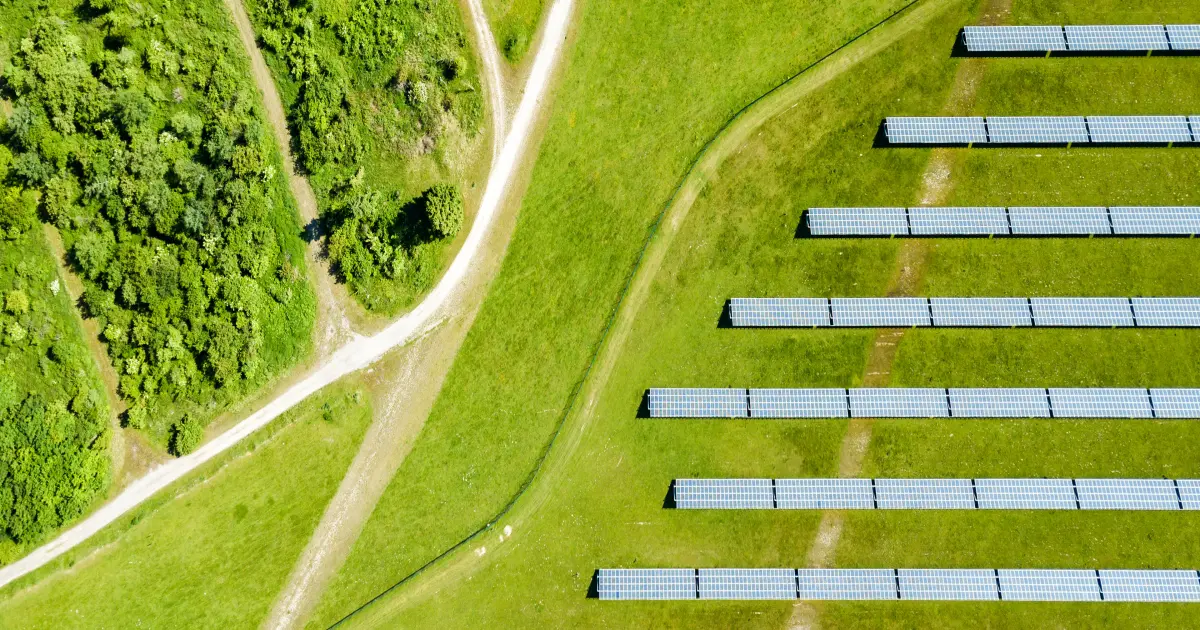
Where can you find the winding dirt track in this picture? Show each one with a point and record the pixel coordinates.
(361, 351)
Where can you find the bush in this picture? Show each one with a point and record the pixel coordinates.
(186, 435)
(444, 203)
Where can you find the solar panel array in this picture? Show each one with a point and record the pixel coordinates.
(1006, 130)
(901, 402)
(1005, 312)
(937, 494)
(1030, 585)
(1099, 38)
(1013, 221)
(696, 403)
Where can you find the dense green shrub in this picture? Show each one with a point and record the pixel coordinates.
(444, 204)
(186, 435)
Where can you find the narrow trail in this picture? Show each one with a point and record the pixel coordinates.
(936, 187)
(459, 563)
(410, 397)
(360, 351)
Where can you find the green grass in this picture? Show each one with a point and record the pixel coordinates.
(514, 23)
(739, 240)
(217, 555)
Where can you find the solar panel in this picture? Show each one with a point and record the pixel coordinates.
(1178, 312)
(1189, 493)
(1034, 585)
(948, 584)
(779, 312)
(924, 494)
(878, 312)
(799, 403)
(1194, 122)
(1025, 494)
(659, 584)
(1013, 38)
(724, 494)
(1100, 403)
(1036, 129)
(886, 402)
(1155, 220)
(697, 403)
(1150, 586)
(1126, 494)
(935, 130)
(847, 584)
(1081, 312)
(747, 583)
(1184, 36)
(965, 221)
(1123, 37)
(1139, 129)
(824, 494)
(1059, 220)
(999, 403)
(857, 221)
(980, 312)
(1175, 403)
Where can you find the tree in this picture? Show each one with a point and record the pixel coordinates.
(186, 435)
(444, 203)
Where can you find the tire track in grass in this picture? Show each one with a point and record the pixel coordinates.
(454, 563)
(936, 186)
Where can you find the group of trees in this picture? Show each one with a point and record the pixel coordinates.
(149, 155)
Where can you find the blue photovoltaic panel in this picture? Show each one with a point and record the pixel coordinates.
(1178, 312)
(1194, 123)
(799, 403)
(1081, 312)
(935, 130)
(747, 583)
(824, 494)
(1036, 129)
(1175, 403)
(924, 494)
(1184, 36)
(1040, 585)
(1126, 494)
(999, 403)
(847, 584)
(1100, 402)
(1155, 220)
(697, 403)
(880, 312)
(779, 312)
(724, 494)
(885, 402)
(857, 221)
(949, 584)
(964, 221)
(1139, 129)
(1123, 37)
(987, 312)
(1013, 38)
(1025, 494)
(1150, 586)
(1189, 493)
(646, 584)
(1059, 220)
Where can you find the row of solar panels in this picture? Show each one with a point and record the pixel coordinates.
(898, 402)
(936, 494)
(1054, 130)
(1108, 38)
(1035, 585)
(947, 312)
(1001, 221)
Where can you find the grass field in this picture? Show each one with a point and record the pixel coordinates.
(739, 240)
(514, 23)
(217, 555)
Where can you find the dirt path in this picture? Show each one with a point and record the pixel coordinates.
(414, 380)
(464, 562)
(332, 327)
